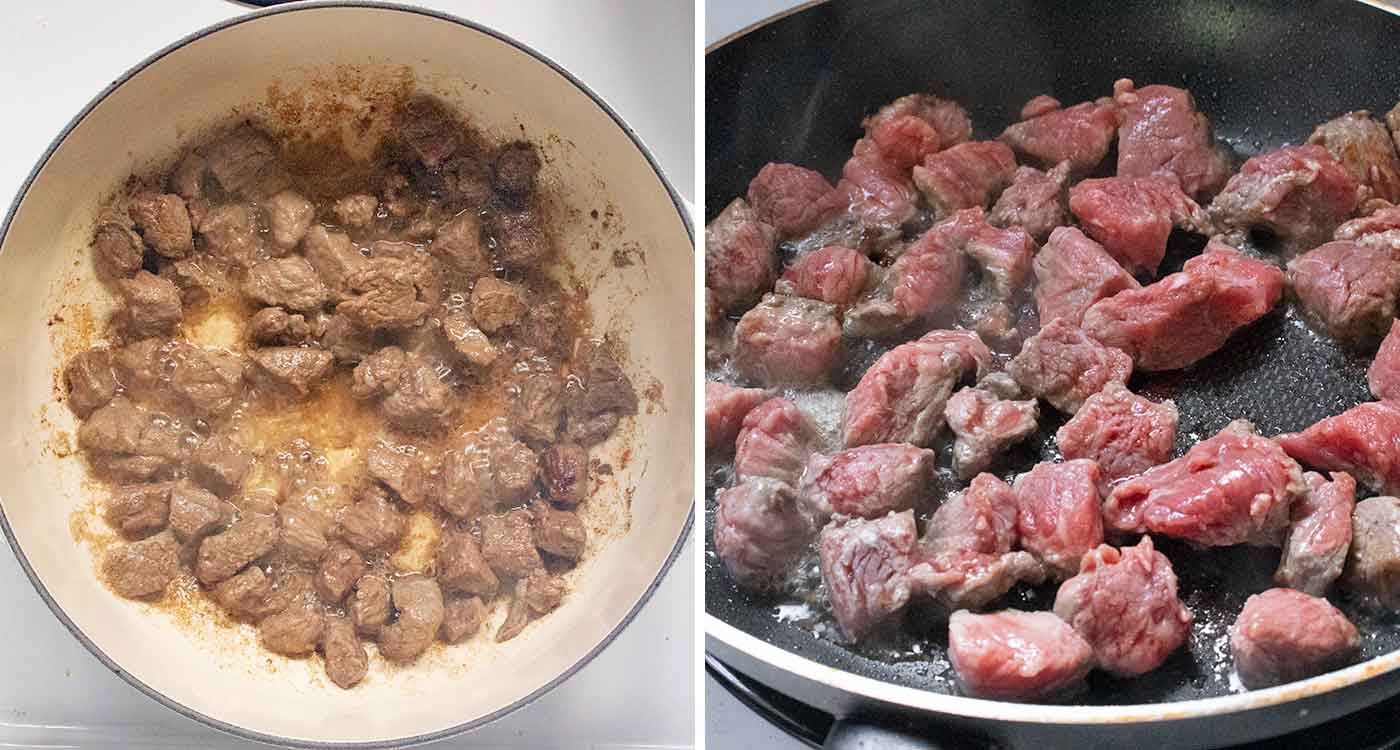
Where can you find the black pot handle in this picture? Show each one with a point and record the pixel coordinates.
(854, 734)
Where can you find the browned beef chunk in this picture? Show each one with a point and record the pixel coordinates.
(535, 595)
(465, 484)
(164, 223)
(118, 250)
(294, 631)
(401, 469)
(559, 532)
(507, 541)
(516, 167)
(339, 570)
(142, 568)
(591, 430)
(246, 596)
(152, 305)
(372, 523)
(90, 379)
(273, 326)
(521, 240)
(564, 467)
(429, 130)
(462, 617)
(289, 216)
(368, 607)
(462, 567)
(346, 660)
(194, 279)
(245, 162)
(292, 369)
(129, 443)
(356, 210)
(225, 553)
(289, 282)
(497, 304)
(182, 376)
(196, 512)
(412, 397)
(335, 259)
(139, 510)
(546, 329)
(419, 603)
(598, 387)
(303, 531)
(537, 407)
(514, 467)
(346, 341)
(230, 232)
(458, 245)
(387, 293)
(468, 340)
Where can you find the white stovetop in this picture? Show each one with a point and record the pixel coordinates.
(54, 56)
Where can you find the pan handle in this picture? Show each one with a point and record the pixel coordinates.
(854, 734)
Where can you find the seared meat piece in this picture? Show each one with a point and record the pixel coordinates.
(418, 601)
(369, 606)
(968, 175)
(775, 440)
(139, 510)
(225, 553)
(291, 369)
(1018, 656)
(1123, 602)
(289, 216)
(964, 557)
(462, 616)
(1160, 132)
(1378, 226)
(90, 380)
(429, 130)
(273, 326)
(1058, 518)
(1315, 548)
(559, 532)
(355, 210)
(1034, 201)
(295, 631)
(1284, 635)
(1004, 257)
(740, 262)
(346, 660)
(788, 340)
(868, 481)
(760, 530)
(390, 293)
(131, 443)
(335, 259)
(514, 173)
(246, 163)
(462, 567)
(1078, 136)
(1132, 217)
(458, 245)
(303, 531)
(1348, 288)
(402, 469)
(1373, 563)
(465, 485)
(597, 383)
(1364, 441)
(548, 328)
(289, 282)
(522, 242)
(340, 568)
(163, 222)
(1299, 193)
(508, 542)
(1186, 316)
(901, 142)
(865, 568)
(248, 595)
(1383, 376)
(564, 470)
(879, 193)
(187, 378)
(901, 397)
(230, 233)
(1065, 367)
(834, 274)
(1125, 434)
(948, 119)
(791, 199)
(514, 467)
(468, 340)
(144, 568)
(118, 251)
(1364, 147)
(985, 426)
(346, 341)
(195, 512)
(412, 397)
(923, 282)
(372, 523)
(725, 409)
(151, 305)
(194, 278)
(1072, 273)
(1234, 488)
(497, 304)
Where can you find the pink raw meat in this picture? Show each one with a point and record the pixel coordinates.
(1034, 201)
(1059, 516)
(793, 199)
(788, 341)
(1132, 217)
(1016, 656)
(901, 397)
(759, 531)
(985, 425)
(1348, 288)
(867, 481)
(775, 441)
(968, 175)
(865, 569)
(1160, 132)
(725, 409)
(1284, 635)
(1064, 366)
(1079, 135)
(1384, 374)
(833, 274)
(923, 282)
(1363, 441)
(1300, 193)
(740, 261)
(1124, 433)
(1315, 550)
(1072, 273)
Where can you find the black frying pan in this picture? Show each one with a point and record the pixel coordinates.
(796, 89)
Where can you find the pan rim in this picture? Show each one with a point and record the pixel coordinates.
(272, 739)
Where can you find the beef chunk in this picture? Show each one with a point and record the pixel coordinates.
(346, 341)
(289, 216)
(355, 210)
(1059, 514)
(922, 284)
(346, 660)
(559, 532)
(543, 592)
(865, 568)
(1284, 635)
(598, 383)
(90, 380)
(418, 601)
(1004, 259)
(514, 172)
(412, 397)
(1160, 132)
(303, 532)
(459, 246)
(387, 293)
(1072, 273)
(968, 175)
(247, 595)
(225, 553)
(725, 409)
(1363, 146)
(130, 443)
(117, 250)
(164, 223)
(508, 542)
(1378, 226)
(368, 607)
(1349, 289)
(246, 163)
(496, 304)
(139, 510)
(336, 260)
(590, 430)
(760, 529)
(522, 242)
(1078, 136)
(295, 631)
(462, 567)
(466, 179)
(536, 410)
(901, 397)
(1125, 434)
(401, 469)
(901, 142)
(466, 484)
(152, 305)
(462, 616)
(947, 117)
(230, 232)
(985, 426)
(514, 467)
(564, 469)
(196, 512)
(1034, 201)
(834, 274)
(339, 570)
(880, 194)
(1383, 376)
(468, 340)
(791, 199)
(775, 440)
(187, 378)
(740, 262)
(869, 481)
(372, 524)
(194, 278)
(788, 340)
(1132, 217)
(273, 326)
(289, 282)
(292, 369)
(1373, 563)
(1315, 548)
(144, 568)
(1363, 441)
(1234, 488)
(1186, 316)
(1014, 655)
(1299, 193)
(429, 130)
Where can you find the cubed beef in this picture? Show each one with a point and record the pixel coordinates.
(791, 199)
(985, 425)
(538, 594)
(514, 468)
(144, 568)
(246, 163)
(559, 532)
(1123, 602)
(291, 369)
(387, 293)
(1348, 288)
(1373, 562)
(1383, 376)
(462, 616)
(459, 246)
(1132, 217)
(1034, 201)
(834, 274)
(1299, 193)
(1125, 434)
(295, 631)
(429, 130)
(901, 142)
(740, 262)
(564, 470)
(187, 177)
(338, 571)
(130, 443)
(273, 326)
(117, 251)
(1160, 132)
(346, 341)
(725, 409)
(247, 595)
(151, 305)
(968, 175)
(230, 232)
(880, 194)
(775, 440)
(1364, 441)
(183, 376)
(1234, 488)
(522, 241)
(496, 304)
(1004, 257)
(788, 340)
(1377, 226)
(289, 216)
(345, 657)
(403, 469)
(1078, 136)
(368, 607)
(163, 222)
(1284, 635)
(760, 529)
(508, 542)
(868, 481)
(901, 397)
(196, 279)
(468, 340)
(865, 568)
(922, 284)
(335, 260)
(90, 380)
(947, 117)
(418, 601)
(1362, 144)
(513, 174)
(355, 210)
(139, 510)
(1017, 656)
(548, 328)
(1058, 519)
(465, 484)
(412, 396)
(372, 524)
(462, 567)
(1176, 322)
(196, 512)
(1315, 548)
(1073, 272)
(225, 553)
(289, 282)
(302, 532)
(1065, 367)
